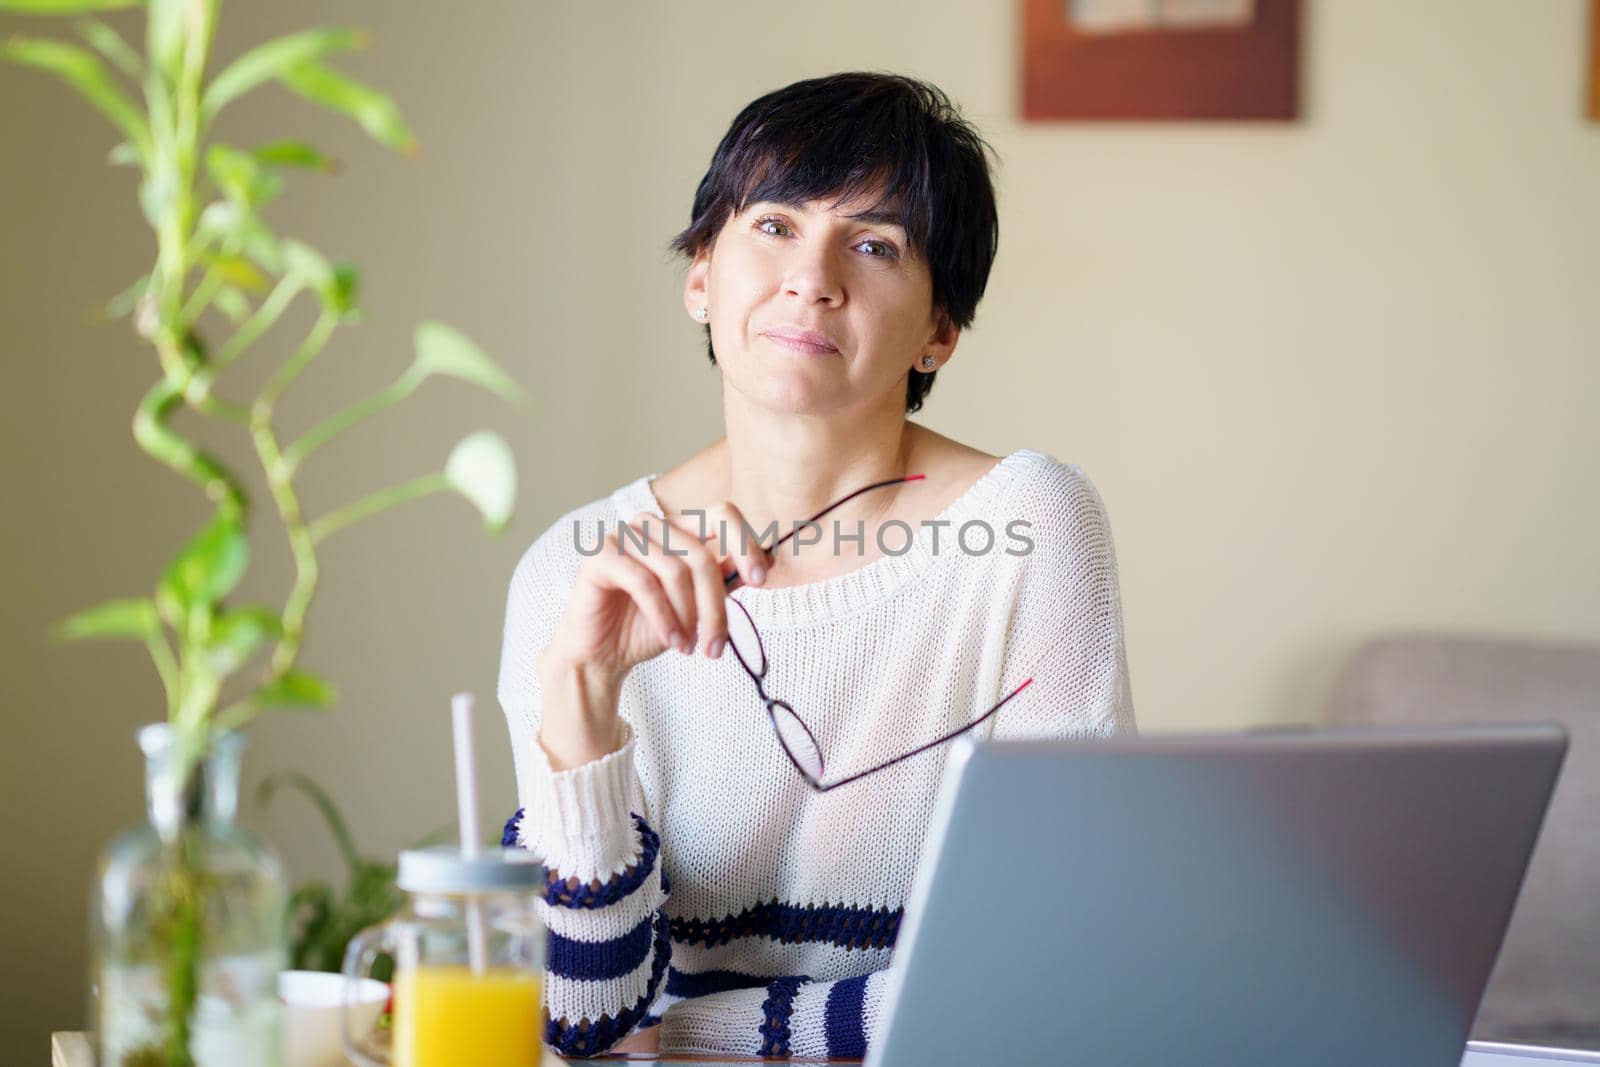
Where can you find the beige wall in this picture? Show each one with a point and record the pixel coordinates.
(1330, 377)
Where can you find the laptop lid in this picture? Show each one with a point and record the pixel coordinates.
(1307, 898)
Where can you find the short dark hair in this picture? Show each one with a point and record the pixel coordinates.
(852, 135)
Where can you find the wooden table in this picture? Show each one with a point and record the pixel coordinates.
(72, 1049)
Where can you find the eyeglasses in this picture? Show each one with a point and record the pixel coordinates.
(794, 736)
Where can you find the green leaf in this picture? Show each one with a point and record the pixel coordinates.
(123, 154)
(79, 68)
(260, 244)
(296, 689)
(219, 219)
(481, 469)
(109, 43)
(64, 7)
(163, 38)
(240, 177)
(370, 898)
(334, 285)
(307, 263)
(233, 303)
(209, 567)
(237, 270)
(236, 635)
(274, 59)
(341, 292)
(233, 171)
(376, 113)
(157, 197)
(235, 225)
(443, 350)
(135, 618)
(309, 909)
(293, 154)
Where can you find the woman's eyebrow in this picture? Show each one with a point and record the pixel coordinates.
(876, 216)
(889, 218)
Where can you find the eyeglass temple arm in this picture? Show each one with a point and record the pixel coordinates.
(729, 579)
(931, 744)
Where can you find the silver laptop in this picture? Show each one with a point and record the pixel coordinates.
(1309, 898)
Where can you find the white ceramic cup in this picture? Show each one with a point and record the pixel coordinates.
(311, 1001)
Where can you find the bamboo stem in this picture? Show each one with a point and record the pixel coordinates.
(260, 321)
(302, 546)
(372, 504)
(308, 350)
(338, 423)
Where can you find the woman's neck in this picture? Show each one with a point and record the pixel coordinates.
(785, 469)
(950, 467)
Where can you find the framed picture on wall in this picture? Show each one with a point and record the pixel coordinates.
(1161, 59)
(1594, 60)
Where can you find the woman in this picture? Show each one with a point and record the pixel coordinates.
(705, 873)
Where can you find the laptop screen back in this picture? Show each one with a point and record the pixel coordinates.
(1307, 899)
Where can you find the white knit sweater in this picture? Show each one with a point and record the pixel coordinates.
(696, 880)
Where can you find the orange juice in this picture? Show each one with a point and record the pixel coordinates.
(446, 1015)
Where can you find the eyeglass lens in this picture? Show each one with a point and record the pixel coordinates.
(796, 739)
(745, 641)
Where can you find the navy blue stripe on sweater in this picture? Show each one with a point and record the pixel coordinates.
(570, 893)
(704, 983)
(587, 1038)
(598, 960)
(842, 1018)
(775, 1012)
(793, 924)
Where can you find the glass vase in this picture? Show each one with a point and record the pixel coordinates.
(188, 925)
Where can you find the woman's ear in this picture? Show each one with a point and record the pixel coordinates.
(695, 294)
(941, 344)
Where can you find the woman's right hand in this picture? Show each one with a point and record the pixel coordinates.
(629, 604)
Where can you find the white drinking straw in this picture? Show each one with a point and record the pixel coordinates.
(467, 810)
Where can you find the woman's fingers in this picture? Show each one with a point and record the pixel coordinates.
(689, 569)
(615, 569)
(740, 543)
(711, 593)
(649, 543)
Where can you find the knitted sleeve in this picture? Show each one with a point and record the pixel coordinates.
(791, 1016)
(603, 901)
(605, 884)
(1066, 622)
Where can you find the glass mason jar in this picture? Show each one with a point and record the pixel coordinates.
(188, 923)
(469, 956)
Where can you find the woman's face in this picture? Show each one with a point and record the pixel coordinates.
(779, 271)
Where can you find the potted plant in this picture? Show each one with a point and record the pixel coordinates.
(189, 923)
(322, 919)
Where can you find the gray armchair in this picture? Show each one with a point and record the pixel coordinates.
(1545, 987)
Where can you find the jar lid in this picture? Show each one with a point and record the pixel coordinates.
(444, 869)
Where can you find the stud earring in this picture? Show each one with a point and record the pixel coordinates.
(928, 362)
(701, 313)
